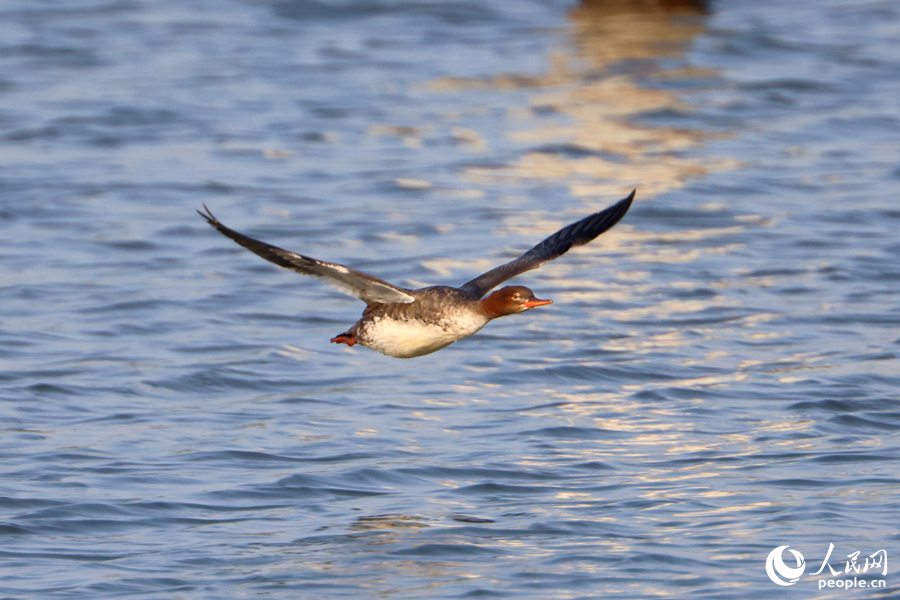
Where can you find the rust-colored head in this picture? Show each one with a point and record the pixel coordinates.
(509, 300)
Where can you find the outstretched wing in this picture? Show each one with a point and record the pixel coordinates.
(576, 234)
(367, 288)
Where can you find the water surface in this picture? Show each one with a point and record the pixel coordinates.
(718, 375)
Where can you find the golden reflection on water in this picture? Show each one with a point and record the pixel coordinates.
(582, 105)
(580, 126)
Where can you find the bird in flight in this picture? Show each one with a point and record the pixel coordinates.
(406, 323)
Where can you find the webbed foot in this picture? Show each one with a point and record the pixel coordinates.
(348, 338)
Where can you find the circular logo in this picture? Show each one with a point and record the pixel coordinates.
(779, 572)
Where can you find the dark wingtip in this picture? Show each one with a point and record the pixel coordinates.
(210, 218)
(621, 207)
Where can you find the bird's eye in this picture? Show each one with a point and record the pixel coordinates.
(516, 296)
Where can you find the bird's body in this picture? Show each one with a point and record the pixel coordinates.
(439, 316)
(406, 323)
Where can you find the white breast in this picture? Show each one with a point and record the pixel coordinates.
(408, 339)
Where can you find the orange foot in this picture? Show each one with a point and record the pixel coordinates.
(345, 338)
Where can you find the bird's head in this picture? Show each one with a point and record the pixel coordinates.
(510, 300)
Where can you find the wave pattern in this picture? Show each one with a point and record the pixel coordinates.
(717, 377)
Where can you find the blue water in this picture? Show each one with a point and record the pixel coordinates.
(718, 376)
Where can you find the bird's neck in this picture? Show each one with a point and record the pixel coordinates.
(493, 306)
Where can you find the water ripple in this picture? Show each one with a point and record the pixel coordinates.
(716, 378)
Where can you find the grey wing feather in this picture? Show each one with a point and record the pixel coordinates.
(576, 234)
(367, 288)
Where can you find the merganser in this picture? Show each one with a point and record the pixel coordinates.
(406, 323)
